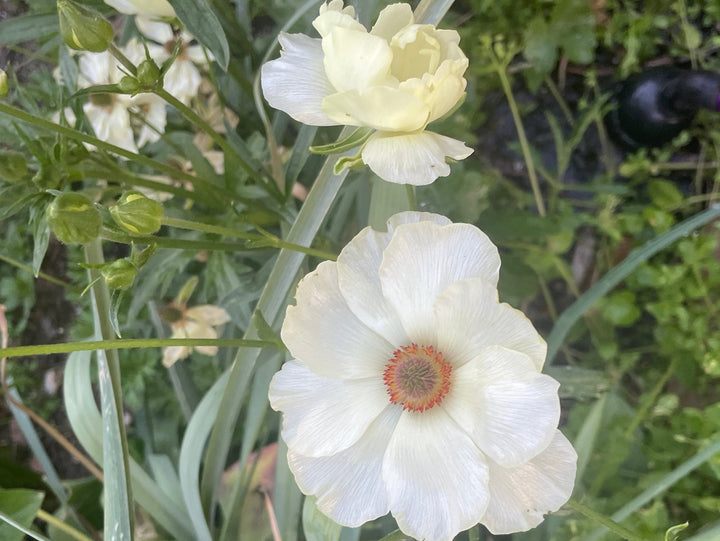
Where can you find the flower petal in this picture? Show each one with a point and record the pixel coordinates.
(509, 410)
(333, 15)
(392, 19)
(349, 485)
(355, 60)
(326, 336)
(519, 497)
(200, 329)
(414, 158)
(296, 82)
(469, 318)
(173, 354)
(437, 479)
(379, 107)
(422, 260)
(324, 416)
(157, 31)
(111, 124)
(208, 314)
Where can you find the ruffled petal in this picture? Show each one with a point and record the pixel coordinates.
(379, 107)
(422, 260)
(209, 314)
(414, 158)
(509, 410)
(333, 15)
(392, 19)
(326, 336)
(436, 478)
(519, 497)
(469, 318)
(349, 485)
(324, 416)
(296, 82)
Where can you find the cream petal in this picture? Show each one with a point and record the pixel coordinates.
(173, 354)
(469, 318)
(355, 60)
(155, 116)
(519, 497)
(436, 478)
(157, 31)
(111, 124)
(332, 18)
(422, 260)
(195, 329)
(509, 410)
(182, 80)
(208, 314)
(379, 107)
(161, 8)
(392, 19)
(349, 484)
(323, 416)
(325, 335)
(412, 158)
(296, 82)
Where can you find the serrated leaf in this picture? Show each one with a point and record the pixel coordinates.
(318, 527)
(200, 20)
(573, 24)
(356, 138)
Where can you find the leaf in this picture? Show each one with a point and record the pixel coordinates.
(21, 505)
(355, 139)
(540, 46)
(41, 236)
(318, 527)
(573, 24)
(672, 533)
(29, 27)
(200, 20)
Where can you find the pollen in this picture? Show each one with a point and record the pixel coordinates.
(417, 377)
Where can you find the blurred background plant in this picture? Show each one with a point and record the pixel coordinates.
(190, 208)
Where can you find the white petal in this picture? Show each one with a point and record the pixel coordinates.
(155, 118)
(378, 107)
(470, 318)
(173, 354)
(182, 80)
(392, 19)
(422, 260)
(349, 485)
(355, 60)
(416, 158)
(111, 124)
(325, 335)
(296, 82)
(157, 31)
(161, 8)
(195, 329)
(209, 314)
(437, 479)
(519, 497)
(509, 409)
(413, 217)
(336, 18)
(324, 416)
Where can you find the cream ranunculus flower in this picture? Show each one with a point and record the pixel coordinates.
(413, 390)
(158, 8)
(195, 322)
(394, 79)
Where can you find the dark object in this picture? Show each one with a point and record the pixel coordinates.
(654, 106)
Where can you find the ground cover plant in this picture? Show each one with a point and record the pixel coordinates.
(354, 271)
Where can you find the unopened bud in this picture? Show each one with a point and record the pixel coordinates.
(129, 85)
(3, 84)
(137, 213)
(148, 74)
(13, 167)
(73, 218)
(82, 28)
(119, 274)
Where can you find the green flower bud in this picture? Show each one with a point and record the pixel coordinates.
(137, 213)
(148, 74)
(3, 84)
(129, 85)
(119, 274)
(13, 166)
(82, 28)
(73, 218)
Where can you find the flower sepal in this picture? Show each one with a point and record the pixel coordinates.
(137, 213)
(73, 218)
(355, 139)
(349, 162)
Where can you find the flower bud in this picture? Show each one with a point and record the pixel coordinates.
(119, 274)
(137, 213)
(129, 85)
(3, 84)
(148, 74)
(13, 167)
(73, 218)
(82, 28)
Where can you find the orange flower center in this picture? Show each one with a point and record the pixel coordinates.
(417, 377)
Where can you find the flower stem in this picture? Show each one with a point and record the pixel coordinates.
(49, 349)
(28, 268)
(517, 119)
(609, 523)
(60, 525)
(124, 60)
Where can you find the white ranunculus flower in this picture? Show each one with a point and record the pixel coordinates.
(413, 390)
(195, 322)
(158, 8)
(394, 79)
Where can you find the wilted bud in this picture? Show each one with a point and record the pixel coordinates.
(73, 218)
(137, 213)
(148, 74)
(3, 84)
(82, 28)
(13, 166)
(119, 274)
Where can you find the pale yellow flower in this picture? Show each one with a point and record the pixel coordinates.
(196, 322)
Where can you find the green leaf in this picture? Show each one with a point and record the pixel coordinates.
(356, 138)
(318, 527)
(21, 505)
(200, 20)
(540, 46)
(41, 236)
(387, 199)
(18, 29)
(672, 533)
(573, 24)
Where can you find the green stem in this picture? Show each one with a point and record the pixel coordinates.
(60, 525)
(524, 145)
(179, 244)
(609, 523)
(649, 399)
(119, 506)
(49, 349)
(124, 60)
(46, 277)
(15, 524)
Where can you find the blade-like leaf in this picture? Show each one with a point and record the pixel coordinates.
(200, 20)
(21, 505)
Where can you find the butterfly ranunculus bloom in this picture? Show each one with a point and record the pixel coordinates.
(414, 391)
(394, 79)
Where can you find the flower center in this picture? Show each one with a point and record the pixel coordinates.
(417, 377)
